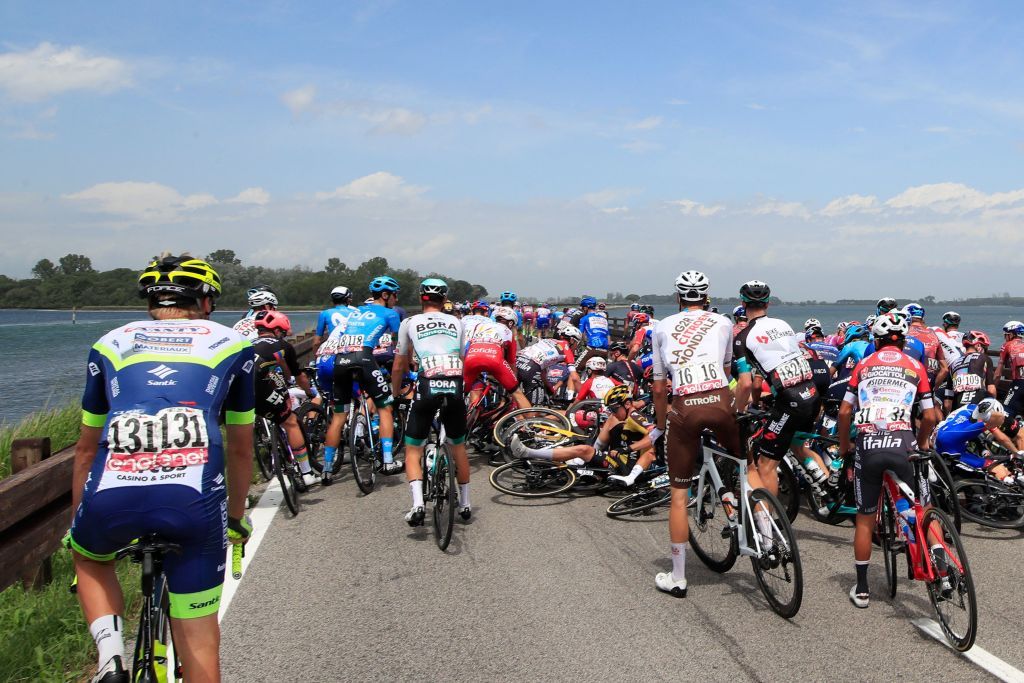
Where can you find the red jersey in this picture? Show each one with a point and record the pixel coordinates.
(882, 391)
(930, 341)
(1011, 356)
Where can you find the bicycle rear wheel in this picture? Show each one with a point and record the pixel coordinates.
(532, 478)
(313, 421)
(891, 544)
(789, 490)
(535, 432)
(361, 456)
(283, 473)
(711, 536)
(154, 648)
(990, 503)
(952, 595)
(261, 448)
(777, 566)
(641, 502)
(445, 496)
(509, 420)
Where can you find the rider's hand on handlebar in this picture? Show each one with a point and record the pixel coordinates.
(239, 530)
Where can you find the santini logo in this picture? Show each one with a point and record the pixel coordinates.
(162, 371)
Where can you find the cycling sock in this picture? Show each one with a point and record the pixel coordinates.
(541, 453)
(416, 486)
(302, 457)
(106, 631)
(764, 523)
(329, 453)
(634, 473)
(679, 561)
(463, 495)
(939, 557)
(386, 445)
(862, 575)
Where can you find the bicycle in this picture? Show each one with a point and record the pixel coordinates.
(439, 486)
(933, 550)
(652, 495)
(719, 535)
(283, 465)
(985, 500)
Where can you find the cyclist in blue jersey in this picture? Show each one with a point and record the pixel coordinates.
(150, 460)
(958, 435)
(814, 339)
(855, 345)
(594, 328)
(355, 362)
(334, 316)
(543, 320)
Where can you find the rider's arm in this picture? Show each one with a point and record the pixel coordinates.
(85, 453)
(928, 416)
(239, 415)
(403, 350)
(95, 408)
(1003, 440)
(843, 426)
(321, 329)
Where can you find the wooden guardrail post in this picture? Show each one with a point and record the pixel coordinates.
(24, 454)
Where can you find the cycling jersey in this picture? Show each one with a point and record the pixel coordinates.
(543, 320)
(596, 386)
(852, 352)
(912, 346)
(1010, 349)
(594, 328)
(954, 433)
(273, 355)
(528, 313)
(930, 341)
(770, 346)
(546, 352)
(970, 376)
(469, 322)
(247, 327)
(950, 345)
(623, 435)
(366, 326)
(332, 317)
(158, 388)
(436, 340)
(826, 352)
(491, 349)
(692, 349)
(626, 372)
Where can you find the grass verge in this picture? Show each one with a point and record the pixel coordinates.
(60, 424)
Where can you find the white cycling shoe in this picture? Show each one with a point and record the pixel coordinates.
(415, 516)
(309, 478)
(112, 672)
(859, 600)
(622, 479)
(667, 584)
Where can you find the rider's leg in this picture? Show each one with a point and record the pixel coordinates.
(297, 443)
(197, 644)
(387, 431)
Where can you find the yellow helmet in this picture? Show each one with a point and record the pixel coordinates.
(180, 275)
(617, 396)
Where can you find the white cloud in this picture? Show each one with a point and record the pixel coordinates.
(692, 208)
(952, 198)
(615, 209)
(250, 195)
(755, 106)
(938, 129)
(785, 209)
(851, 203)
(601, 199)
(47, 70)
(153, 202)
(649, 123)
(379, 185)
(473, 117)
(300, 100)
(395, 121)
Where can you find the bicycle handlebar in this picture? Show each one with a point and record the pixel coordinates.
(237, 553)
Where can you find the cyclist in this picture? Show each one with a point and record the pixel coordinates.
(594, 328)
(769, 345)
(972, 376)
(277, 366)
(355, 362)
(598, 384)
(150, 460)
(692, 356)
(543, 320)
(434, 340)
(959, 433)
(260, 298)
(622, 369)
(879, 402)
(884, 305)
(480, 312)
(814, 339)
(533, 362)
(491, 348)
(1011, 359)
(334, 316)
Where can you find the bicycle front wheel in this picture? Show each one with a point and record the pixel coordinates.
(261, 446)
(284, 475)
(952, 593)
(990, 503)
(943, 490)
(777, 563)
(789, 490)
(445, 496)
(535, 432)
(508, 422)
(711, 535)
(532, 478)
(640, 503)
(313, 420)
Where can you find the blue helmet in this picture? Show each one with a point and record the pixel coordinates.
(739, 312)
(634, 307)
(433, 287)
(588, 302)
(854, 332)
(508, 297)
(384, 283)
(914, 310)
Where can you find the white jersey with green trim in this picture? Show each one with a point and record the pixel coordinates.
(436, 339)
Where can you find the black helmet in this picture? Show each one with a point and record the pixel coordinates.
(621, 347)
(950, 318)
(755, 291)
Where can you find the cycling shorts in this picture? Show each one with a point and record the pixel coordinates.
(687, 419)
(272, 399)
(543, 323)
(111, 519)
(793, 410)
(531, 374)
(442, 394)
(871, 463)
(495, 366)
(1015, 399)
(359, 366)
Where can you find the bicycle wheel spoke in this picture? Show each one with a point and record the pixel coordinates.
(952, 592)
(777, 564)
(711, 535)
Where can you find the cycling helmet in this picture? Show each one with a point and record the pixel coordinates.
(634, 307)
(568, 331)
(621, 347)
(914, 310)
(448, 307)
(616, 396)
(950, 318)
(601, 306)
(180, 276)
(739, 313)
(384, 283)
(812, 322)
(692, 285)
(811, 332)
(505, 313)
(262, 298)
(642, 318)
(508, 298)
(258, 288)
(480, 305)
(870, 320)
(340, 295)
(433, 288)
(273, 321)
(884, 305)
(893, 325)
(588, 302)
(755, 291)
(986, 409)
(977, 338)
(597, 364)
(854, 332)
(648, 309)
(1014, 327)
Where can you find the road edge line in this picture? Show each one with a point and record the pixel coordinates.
(261, 515)
(977, 655)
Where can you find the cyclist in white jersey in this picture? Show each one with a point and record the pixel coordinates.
(692, 356)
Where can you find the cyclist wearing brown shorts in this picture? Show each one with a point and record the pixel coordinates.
(692, 355)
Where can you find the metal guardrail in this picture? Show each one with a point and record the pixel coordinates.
(35, 502)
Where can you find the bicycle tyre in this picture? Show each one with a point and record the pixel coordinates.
(789, 490)
(284, 476)
(445, 497)
(640, 502)
(714, 544)
(788, 560)
(961, 580)
(532, 478)
(943, 491)
(501, 427)
(990, 503)
(535, 432)
(261, 449)
(361, 458)
(887, 536)
(313, 422)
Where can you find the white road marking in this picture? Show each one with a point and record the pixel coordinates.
(983, 658)
(261, 516)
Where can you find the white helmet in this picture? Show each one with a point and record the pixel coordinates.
(341, 293)
(692, 285)
(505, 313)
(889, 323)
(565, 329)
(811, 322)
(258, 299)
(870, 320)
(597, 364)
(986, 408)
(1013, 327)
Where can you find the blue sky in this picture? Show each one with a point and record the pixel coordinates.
(748, 139)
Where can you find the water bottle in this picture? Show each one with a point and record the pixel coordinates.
(907, 518)
(431, 451)
(729, 503)
(811, 465)
(375, 423)
(660, 480)
(360, 427)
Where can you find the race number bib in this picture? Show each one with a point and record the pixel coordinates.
(441, 365)
(697, 377)
(884, 416)
(351, 342)
(793, 371)
(169, 447)
(966, 382)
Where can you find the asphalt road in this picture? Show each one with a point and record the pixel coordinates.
(552, 589)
